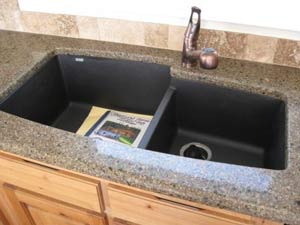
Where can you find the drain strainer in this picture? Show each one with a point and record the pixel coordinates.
(196, 150)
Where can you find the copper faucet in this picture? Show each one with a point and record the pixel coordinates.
(208, 57)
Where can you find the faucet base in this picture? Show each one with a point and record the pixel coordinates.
(189, 64)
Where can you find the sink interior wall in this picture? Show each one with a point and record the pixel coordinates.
(239, 127)
(62, 92)
(42, 98)
(116, 84)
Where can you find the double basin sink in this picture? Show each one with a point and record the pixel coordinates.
(190, 118)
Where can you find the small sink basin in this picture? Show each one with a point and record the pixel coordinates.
(191, 119)
(238, 127)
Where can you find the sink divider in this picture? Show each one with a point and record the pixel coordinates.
(157, 117)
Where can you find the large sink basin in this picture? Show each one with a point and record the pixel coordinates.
(191, 118)
(63, 91)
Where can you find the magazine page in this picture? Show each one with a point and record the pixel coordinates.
(126, 128)
(94, 115)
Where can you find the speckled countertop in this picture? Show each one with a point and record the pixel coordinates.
(271, 194)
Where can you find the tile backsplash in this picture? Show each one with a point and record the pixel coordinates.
(228, 44)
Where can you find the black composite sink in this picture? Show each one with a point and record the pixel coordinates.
(63, 91)
(237, 127)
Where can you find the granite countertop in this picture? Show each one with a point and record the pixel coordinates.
(271, 194)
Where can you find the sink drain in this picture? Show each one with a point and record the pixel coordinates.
(196, 150)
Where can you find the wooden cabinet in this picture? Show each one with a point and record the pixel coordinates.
(32, 193)
(74, 189)
(36, 209)
(35, 194)
(130, 206)
(3, 220)
(147, 210)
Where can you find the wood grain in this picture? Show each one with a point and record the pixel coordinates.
(140, 207)
(38, 210)
(51, 183)
(32, 192)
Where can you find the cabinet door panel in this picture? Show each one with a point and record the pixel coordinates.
(45, 218)
(48, 182)
(3, 220)
(146, 211)
(35, 209)
(8, 213)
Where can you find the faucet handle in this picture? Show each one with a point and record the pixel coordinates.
(208, 58)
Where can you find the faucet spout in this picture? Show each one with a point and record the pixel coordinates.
(191, 36)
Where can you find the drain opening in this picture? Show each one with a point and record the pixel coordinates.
(196, 150)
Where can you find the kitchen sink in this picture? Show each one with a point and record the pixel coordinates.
(190, 118)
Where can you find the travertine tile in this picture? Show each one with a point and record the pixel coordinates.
(156, 35)
(10, 20)
(260, 48)
(176, 35)
(62, 25)
(11, 5)
(228, 44)
(233, 45)
(2, 22)
(87, 27)
(297, 55)
(287, 53)
(211, 38)
(121, 31)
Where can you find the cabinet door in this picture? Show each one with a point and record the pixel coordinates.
(3, 220)
(35, 209)
(145, 208)
(146, 211)
(7, 213)
(70, 188)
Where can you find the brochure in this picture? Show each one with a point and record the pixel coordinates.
(117, 126)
